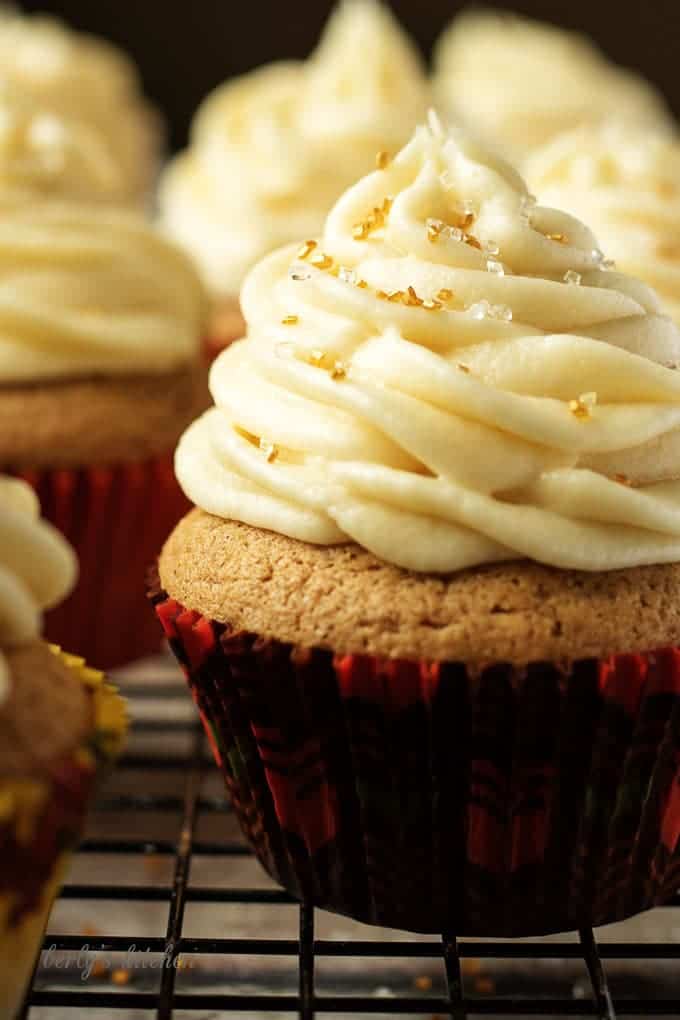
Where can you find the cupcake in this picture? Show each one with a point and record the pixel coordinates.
(427, 602)
(86, 82)
(625, 183)
(101, 369)
(517, 83)
(273, 150)
(60, 728)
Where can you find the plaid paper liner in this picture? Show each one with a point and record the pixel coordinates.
(116, 518)
(420, 796)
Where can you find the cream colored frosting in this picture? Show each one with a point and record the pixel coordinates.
(87, 290)
(272, 150)
(517, 83)
(489, 413)
(87, 81)
(626, 184)
(37, 569)
(43, 155)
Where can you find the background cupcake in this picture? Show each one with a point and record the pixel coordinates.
(100, 371)
(517, 83)
(87, 82)
(60, 727)
(625, 183)
(271, 151)
(419, 603)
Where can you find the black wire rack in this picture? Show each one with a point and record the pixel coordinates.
(201, 975)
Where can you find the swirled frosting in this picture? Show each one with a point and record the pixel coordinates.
(274, 149)
(518, 83)
(448, 378)
(42, 155)
(87, 290)
(625, 184)
(84, 81)
(37, 569)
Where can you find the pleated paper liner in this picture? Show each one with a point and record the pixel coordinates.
(420, 796)
(116, 518)
(41, 821)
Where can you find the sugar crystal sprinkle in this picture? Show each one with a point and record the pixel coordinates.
(580, 409)
(445, 294)
(572, 277)
(383, 160)
(306, 249)
(290, 320)
(495, 267)
(269, 450)
(339, 370)
(321, 261)
(480, 309)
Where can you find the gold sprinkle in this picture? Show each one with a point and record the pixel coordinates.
(467, 220)
(269, 450)
(445, 294)
(290, 320)
(559, 238)
(473, 242)
(360, 231)
(463, 368)
(433, 232)
(622, 479)
(306, 249)
(386, 207)
(382, 295)
(362, 284)
(431, 305)
(317, 357)
(339, 370)
(383, 160)
(397, 296)
(579, 409)
(321, 261)
(412, 299)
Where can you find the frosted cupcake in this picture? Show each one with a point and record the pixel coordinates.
(60, 727)
(517, 83)
(429, 599)
(101, 369)
(625, 183)
(272, 150)
(86, 81)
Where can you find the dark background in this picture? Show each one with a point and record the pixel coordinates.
(184, 49)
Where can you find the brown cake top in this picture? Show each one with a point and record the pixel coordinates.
(47, 713)
(98, 421)
(344, 598)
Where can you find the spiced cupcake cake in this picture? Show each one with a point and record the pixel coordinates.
(60, 728)
(101, 369)
(428, 599)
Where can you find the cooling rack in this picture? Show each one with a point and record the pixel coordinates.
(164, 822)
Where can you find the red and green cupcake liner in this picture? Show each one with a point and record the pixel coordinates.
(423, 796)
(116, 518)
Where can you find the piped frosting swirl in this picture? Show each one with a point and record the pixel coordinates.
(37, 569)
(448, 377)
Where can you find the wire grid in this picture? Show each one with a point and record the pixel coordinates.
(190, 767)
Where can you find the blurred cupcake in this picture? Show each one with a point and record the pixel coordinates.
(88, 82)
(428, 602)
(517, 83)
(101, 369)
(625, 183)
(60, 728)
(271, 151)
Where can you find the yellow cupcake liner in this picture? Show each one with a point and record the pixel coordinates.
(25, 807)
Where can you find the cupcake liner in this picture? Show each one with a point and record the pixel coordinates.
(41, 820)
(422, 796)
(116, 518)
